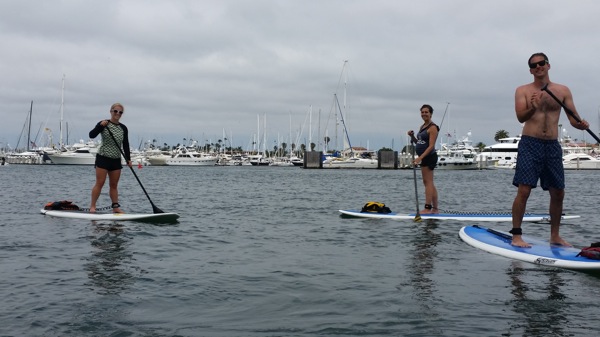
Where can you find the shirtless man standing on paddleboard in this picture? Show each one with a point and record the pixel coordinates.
(540, 153)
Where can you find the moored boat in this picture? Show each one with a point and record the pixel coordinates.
(26, 157)
(258, 160)
(157, 159)
(503, 154)
(353, 158)
(458, 156)
(189, 156)
(78, 154)
(580, 161)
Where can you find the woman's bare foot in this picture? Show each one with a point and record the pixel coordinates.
(116, 208)
(92, 209)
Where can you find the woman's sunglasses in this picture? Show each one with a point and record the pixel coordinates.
(118, 112)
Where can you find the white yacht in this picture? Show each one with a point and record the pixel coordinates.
(26, 157)
(78, 154)
(258, 160)
(502, 154)
(354, 158)
(580, 161)
(189, 156)
(458, 156)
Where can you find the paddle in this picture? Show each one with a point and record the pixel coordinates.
(417, 215)
(495, 232)
(567, 110)
(154, 208)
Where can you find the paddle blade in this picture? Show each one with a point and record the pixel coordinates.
(156, 210)
(417, 218)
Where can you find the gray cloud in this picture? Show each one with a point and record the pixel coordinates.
(191, 69)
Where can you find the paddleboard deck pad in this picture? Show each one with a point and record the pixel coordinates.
(541, 252)
(463, 216)
(156, 217)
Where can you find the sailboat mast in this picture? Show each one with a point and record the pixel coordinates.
(345, 84)
(310, 127)
(62, 110)
(344, 124)
(265, 136)
(319, 131)
(337, 124)
(345, 95)
(29, 128)
(442, 123)
(344, 76)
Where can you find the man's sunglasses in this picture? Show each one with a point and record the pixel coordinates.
(536, 64)
(118, 112)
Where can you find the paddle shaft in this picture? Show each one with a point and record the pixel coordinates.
(495, 232)
(154, 208)
(417, 215)
(569, 111)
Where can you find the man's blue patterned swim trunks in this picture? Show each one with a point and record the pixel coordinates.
(539, 159)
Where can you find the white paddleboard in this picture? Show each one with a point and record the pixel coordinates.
(464, 216)
(541, 252)
(156, 217)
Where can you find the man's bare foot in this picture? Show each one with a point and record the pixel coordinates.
(435, 211)
(560, 242)
(425, 211)
(92, 209)
(517, 241)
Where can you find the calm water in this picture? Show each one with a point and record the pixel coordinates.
(262, 251)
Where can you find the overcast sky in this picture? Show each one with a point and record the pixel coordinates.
(198, 69)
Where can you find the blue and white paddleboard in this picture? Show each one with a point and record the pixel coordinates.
(541, 252)
(156, 217)
(463, 216)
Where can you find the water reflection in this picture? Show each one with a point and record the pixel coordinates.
(542, 311)
(422, 264)
(109, 265)
(420, 298)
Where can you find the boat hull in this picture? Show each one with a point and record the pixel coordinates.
(66, 159)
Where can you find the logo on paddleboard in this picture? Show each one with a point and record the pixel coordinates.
(541, 260)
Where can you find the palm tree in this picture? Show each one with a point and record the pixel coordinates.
(500, 134)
